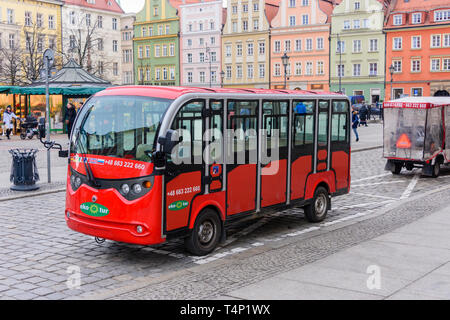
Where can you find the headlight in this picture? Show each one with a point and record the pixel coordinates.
(125, 189)
(137, 188)
(77, 182)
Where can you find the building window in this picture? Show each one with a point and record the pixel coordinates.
(356, 46)
(309, 45)
(398, 19)
(115, 69)
(340, 48)
(114, 23)
(356, 24)
(228, 72)
(442, 15)
(435, 64)
(255, 24)
(189, 77)
(415, 42)
(239, 72)
(292, 21)
(415, 66)
(115, 46)
(11, 41)
(436, 41)
(287, 45)
(298, 45)
(157, 51)
(100, 44)
(277, 70)
(213, 76)
(373, 69)
(346, 24)
(305, 3)
(291, 3)
(189, 57)
(397, 66)
(398, 43)
(249, 49)
(277, 46)
(250, 71)
(228, 50)
(340, 70)
(202, 57)
(262, 48)
(172, 49)
(202, 76)
(239, 50)
(245, 25)
(298, 68)
(305, 19)
(373, 45)
(100, 22)
(262, 70)
(320, 68)
(416, 92)
(255, 6)
(309, 68)
(158, 74)
(88, 19)
(446, 64)
(356, 70)
(51, 22)
(357, 6)
(140, 52)
(446, 40)
(39, 22)
(10, 15)
(416, 18)
(319, 44)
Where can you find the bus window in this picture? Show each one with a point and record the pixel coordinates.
(303, 120)
(322, 134)
(275, 118)
(339, 130)
(242, 120)
(189, 122)
(216, 127)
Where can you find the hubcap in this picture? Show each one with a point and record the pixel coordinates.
(206, 232)
(321, 204)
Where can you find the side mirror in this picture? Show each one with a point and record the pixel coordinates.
(169, 142)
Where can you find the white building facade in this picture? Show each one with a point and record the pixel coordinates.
(201, 44)
(126, 28)
(91, 33)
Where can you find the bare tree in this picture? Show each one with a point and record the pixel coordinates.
(84, 42)
(32, 61)
(11, 66)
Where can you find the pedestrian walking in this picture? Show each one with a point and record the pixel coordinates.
(69, 117)
(8, 116)
(363, 115)
(369, 111)
(355, 123)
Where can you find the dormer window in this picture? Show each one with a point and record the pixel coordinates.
(398, 20)
(442, 15)
(416, 18)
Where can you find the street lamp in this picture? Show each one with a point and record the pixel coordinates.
(285, 61)
(222, 76)
(391, 71)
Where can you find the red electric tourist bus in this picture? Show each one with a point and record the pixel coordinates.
(148, 164)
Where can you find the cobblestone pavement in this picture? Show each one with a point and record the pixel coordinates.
(39, 254)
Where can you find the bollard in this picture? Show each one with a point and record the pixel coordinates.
(24, 173)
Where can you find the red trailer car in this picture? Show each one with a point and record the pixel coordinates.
(417, 134)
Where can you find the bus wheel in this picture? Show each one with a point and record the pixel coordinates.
(396, 168)
(317, 210)
(436, 169)
(206, 233)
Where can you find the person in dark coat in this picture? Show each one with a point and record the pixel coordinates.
(355, 123)
(363, 115)
(69, 117)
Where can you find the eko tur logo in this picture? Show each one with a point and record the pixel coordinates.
(94, 209)
(178, 205)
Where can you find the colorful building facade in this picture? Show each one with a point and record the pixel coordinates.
(127, 30)
(418, 48)
(201, 43)
(301, 30)
(357, 64)
(246, 43)
(156, 44)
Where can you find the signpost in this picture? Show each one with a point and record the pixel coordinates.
(49, 60)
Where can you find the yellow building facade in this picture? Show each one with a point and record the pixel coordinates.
(40, 19)
(246, 43)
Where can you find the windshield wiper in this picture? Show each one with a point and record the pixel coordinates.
(87, 166)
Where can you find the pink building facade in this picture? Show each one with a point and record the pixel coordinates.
(301, 30)
(201, 43)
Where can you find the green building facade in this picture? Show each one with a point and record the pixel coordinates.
(156, 44)
(357, 51)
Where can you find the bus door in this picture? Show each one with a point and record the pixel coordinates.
(215, 168)
(185, 167)
(340, 143)
(242, 155)
(275, 123)
(302, 150)
(322, 152)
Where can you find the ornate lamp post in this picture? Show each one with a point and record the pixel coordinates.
(222, 76)
(391, 71)
(285, 61)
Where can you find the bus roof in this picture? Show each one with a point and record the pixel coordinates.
(175, 92)
(418, 102)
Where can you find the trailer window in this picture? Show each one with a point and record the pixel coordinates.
(339, 126)
(303, 121)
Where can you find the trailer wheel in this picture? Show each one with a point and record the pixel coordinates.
(436, 169)
(396, 168)
(318, 209)
(206, 233)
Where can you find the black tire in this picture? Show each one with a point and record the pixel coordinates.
(397, 167)
(22, 136)
(206, 233)
(436, 169)
(318, 209)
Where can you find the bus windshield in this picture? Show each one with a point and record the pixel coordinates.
(119, 126)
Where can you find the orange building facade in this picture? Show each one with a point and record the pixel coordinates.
(301, 29)
(417, 48)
